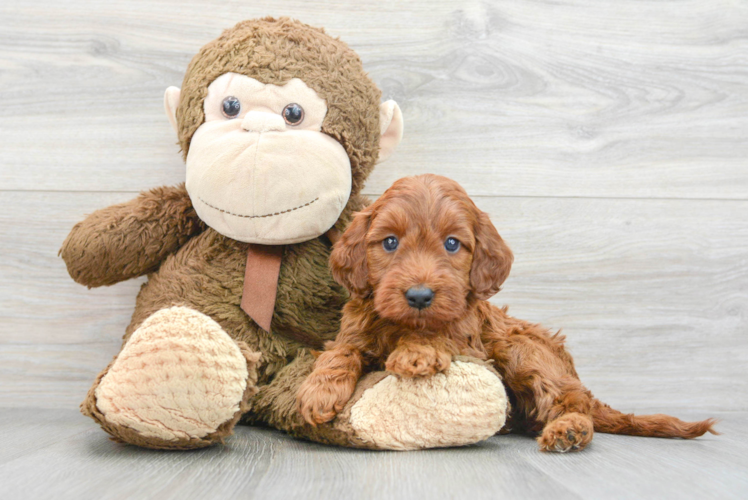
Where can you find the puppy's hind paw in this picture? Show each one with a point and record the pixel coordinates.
(569, 432)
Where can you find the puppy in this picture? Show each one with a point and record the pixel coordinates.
(420, 264)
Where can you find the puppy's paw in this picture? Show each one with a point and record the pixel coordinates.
(417, 361)
(322, 396)
(569, 432)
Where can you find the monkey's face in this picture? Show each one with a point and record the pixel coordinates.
(259, 169)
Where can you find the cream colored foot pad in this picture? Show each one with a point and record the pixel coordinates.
(464, 405)
(180, 376)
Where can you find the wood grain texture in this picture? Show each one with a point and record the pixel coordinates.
(515, 98)
(79, 462)
(652, 295)
(606, 139)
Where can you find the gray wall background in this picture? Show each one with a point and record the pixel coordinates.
(607, 139)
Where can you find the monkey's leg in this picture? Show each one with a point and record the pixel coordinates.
(463, 405)
(180, 382)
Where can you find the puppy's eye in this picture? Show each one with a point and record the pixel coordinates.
(390, 244)
(231, 107)
(293, 114)
(452, 245)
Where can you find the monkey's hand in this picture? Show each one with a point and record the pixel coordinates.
(130, 239)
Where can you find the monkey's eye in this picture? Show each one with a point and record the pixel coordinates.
(231, 107)
(293, 114)
(390, 244)
(451, 245)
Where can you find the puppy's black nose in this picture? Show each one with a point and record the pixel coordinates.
(419, 297)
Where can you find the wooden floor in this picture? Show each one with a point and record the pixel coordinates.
(607, 139)
(70, 458)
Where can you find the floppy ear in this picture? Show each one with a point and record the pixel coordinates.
(348, 257)
(492, 260)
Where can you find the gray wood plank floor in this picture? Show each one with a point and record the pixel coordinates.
(70, 458)
(607, 139)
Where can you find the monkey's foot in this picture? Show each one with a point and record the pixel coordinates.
(180, 382)
(569, 432)
(464, 404)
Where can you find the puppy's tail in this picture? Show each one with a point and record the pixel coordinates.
(610, 421)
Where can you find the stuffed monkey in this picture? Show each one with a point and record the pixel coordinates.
(279, 127)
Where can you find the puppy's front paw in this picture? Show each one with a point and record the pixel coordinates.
(569, 432)
(417, 361)
(321, 397)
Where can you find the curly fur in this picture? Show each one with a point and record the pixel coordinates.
(379, 328)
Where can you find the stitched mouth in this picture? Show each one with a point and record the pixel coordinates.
(258, 216)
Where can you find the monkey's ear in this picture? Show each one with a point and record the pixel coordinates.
(348, 257)
(391, 128)
(171, 102)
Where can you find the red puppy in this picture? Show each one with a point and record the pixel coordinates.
(420, 264)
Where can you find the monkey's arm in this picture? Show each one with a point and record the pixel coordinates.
(130, 239)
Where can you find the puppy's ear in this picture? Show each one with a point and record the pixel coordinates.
(348, 257)
(492, 260)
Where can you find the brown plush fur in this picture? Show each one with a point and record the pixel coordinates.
(125, 435)
(148, 229)
(188, 264)
(276, 51)
(379, 328)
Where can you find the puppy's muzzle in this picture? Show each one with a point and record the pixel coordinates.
(419, 297)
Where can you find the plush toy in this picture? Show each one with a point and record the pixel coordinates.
(279, 126)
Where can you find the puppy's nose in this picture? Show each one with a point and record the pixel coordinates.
(419, 297)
